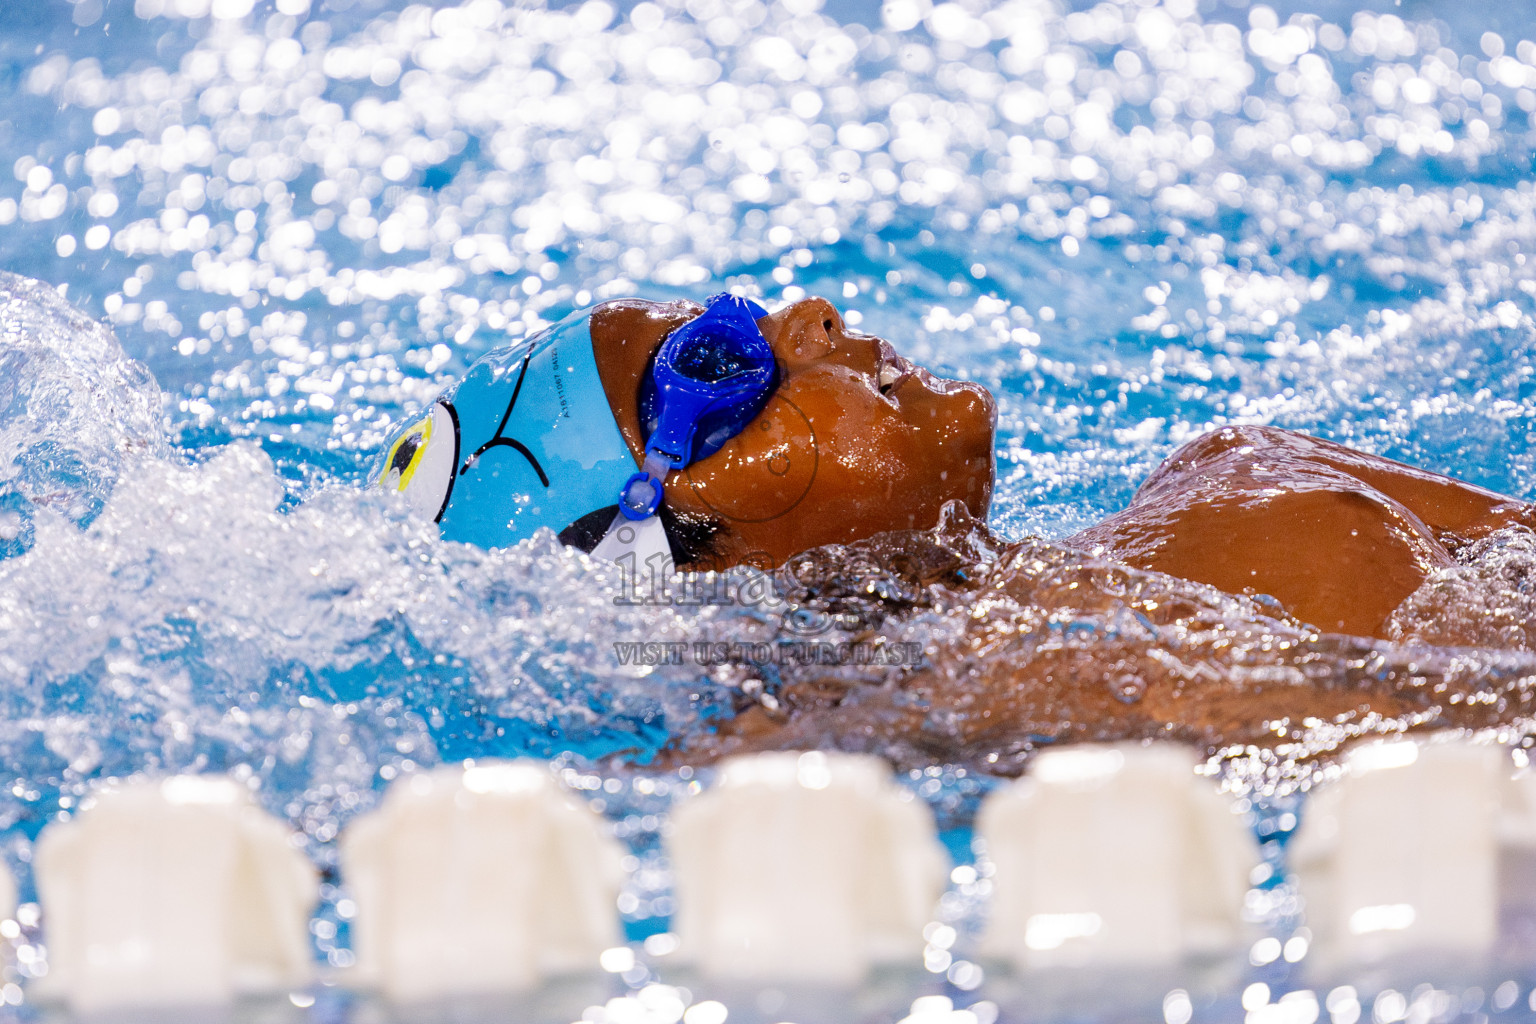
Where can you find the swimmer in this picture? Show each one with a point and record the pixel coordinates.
(837, 440)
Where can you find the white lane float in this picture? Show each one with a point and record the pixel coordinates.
(1115, 856)
(1401, 854)
(807, 867)
(176, 892)
(479, 880)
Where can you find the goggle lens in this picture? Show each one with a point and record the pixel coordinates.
(711, 377)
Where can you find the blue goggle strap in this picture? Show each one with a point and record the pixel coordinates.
(643, 491)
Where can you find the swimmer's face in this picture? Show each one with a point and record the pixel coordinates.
(855, 440)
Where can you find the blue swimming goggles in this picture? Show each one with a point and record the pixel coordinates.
(710, 378)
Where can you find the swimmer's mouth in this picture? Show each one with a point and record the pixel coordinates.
(893, 371)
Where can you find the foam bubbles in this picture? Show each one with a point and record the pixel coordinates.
(72, 407)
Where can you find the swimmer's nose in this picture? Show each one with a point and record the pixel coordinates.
(810, 327)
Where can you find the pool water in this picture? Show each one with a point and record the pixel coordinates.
(299, 219)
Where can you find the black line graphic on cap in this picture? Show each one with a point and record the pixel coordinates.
(498, 441)
(453, 415)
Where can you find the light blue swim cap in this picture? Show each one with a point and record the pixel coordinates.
(527, 439)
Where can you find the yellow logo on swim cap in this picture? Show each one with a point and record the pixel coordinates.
(406, 454)
(422, 461)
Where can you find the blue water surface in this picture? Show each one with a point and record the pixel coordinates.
(1133, 221)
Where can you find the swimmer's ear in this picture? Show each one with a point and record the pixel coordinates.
(421, 462)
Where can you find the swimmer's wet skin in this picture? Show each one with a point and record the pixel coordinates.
(1252, 554)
